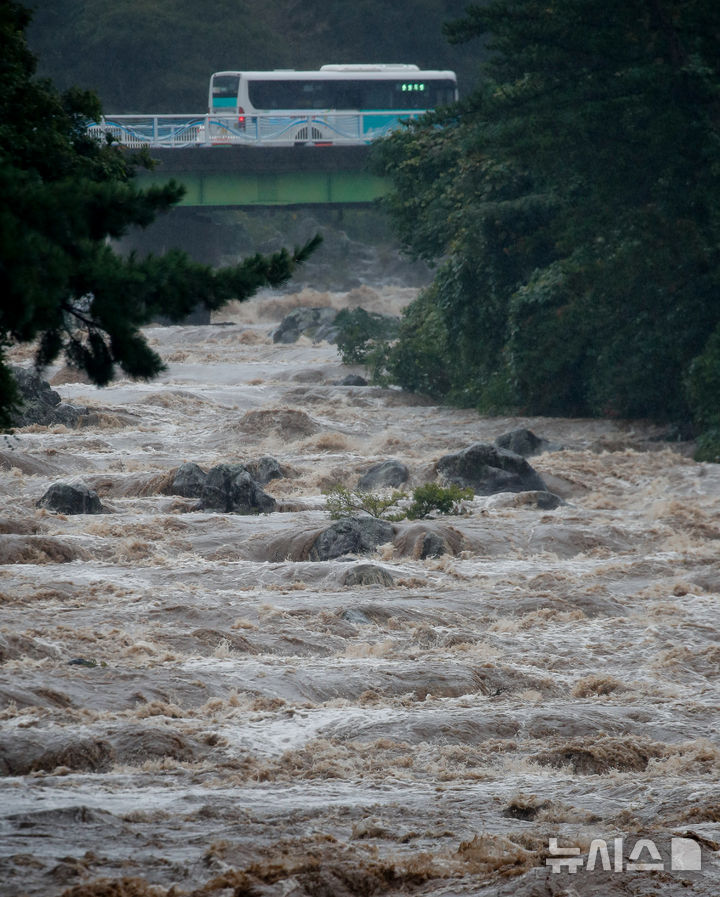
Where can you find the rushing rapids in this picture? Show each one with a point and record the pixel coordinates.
(191, 705)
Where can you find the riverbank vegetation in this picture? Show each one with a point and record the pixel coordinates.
(571, 208)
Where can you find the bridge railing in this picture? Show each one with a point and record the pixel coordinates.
(261, 129)
(151, 130)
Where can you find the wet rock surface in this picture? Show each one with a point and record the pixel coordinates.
(429, 539)
(191, 704)
(488, 469)
(368, 575)
(188, 480)
(264, 470)
(316, 323)
(524, 442)
(390, 473)
(71, 498)
(353, 380)
(191, 481)
(230, 488)
(350, 535)
(40, 404)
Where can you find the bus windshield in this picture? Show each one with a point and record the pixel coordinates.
(225, 89)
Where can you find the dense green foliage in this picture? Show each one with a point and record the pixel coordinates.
(572, 207)
(434, 497)
(62, 195)
(426, 500)
(703, 385)
(343, 502)
(360, 332)
(157, 55)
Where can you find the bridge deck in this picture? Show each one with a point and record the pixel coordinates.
(269, 176)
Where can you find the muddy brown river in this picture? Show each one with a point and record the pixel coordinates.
(191, 706)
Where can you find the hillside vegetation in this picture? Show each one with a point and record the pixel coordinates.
(157, 55)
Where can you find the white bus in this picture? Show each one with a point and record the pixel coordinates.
(337, 104)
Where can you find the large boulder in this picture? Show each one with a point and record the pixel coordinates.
(521, 441)
(488, 469)
(71, 498)
(429, 539)
(230, 488)
(386, 474)
(367, 575)
(40, 404)
(189, 480)
(315, 323)
(350, 535)
(264, 470)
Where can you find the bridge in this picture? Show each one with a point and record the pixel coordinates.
(269, 176)
(269, 160)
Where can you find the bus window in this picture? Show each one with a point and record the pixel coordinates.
(345, 94)
(290, 94)
(224, 91)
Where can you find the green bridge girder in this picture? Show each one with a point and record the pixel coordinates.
(267, 189)
(268, 176)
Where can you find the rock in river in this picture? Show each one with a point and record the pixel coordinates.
(523, 442)
(188, 480)
(71, 498)
(316, 323)
(40, 404)
(488, 469)
(230, 488)
(367, 575)
(264, 470)
(350, 535)
(388, 473)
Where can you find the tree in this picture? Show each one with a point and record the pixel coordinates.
(151, 56)
(572, 205)
(63, 195)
